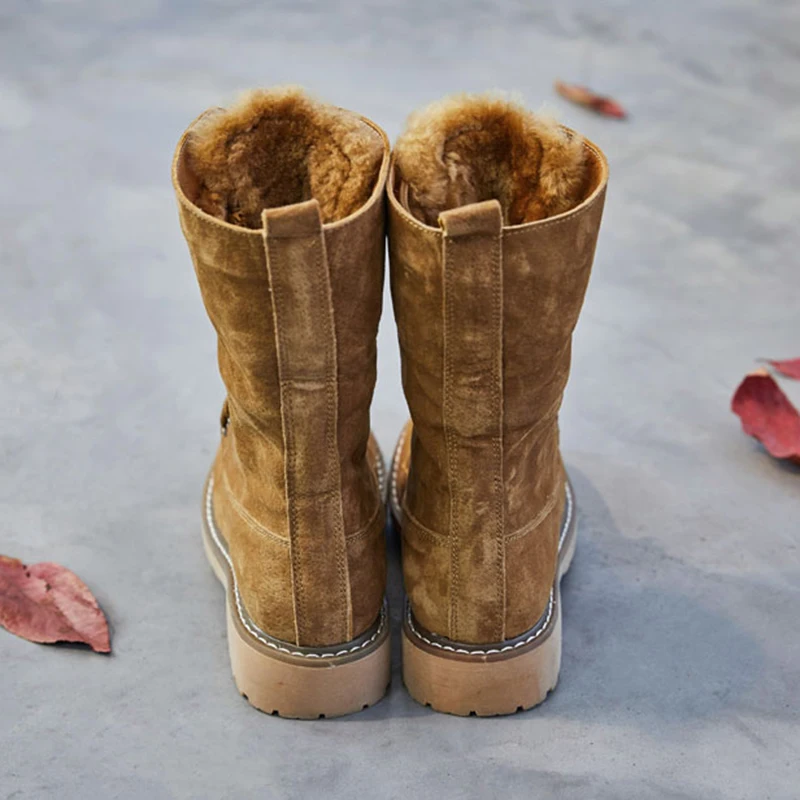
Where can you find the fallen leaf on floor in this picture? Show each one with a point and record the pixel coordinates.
(583, 96)
(768, 415)
(789, 368)
(47, 603)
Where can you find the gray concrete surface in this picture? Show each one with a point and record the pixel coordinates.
(681, 673)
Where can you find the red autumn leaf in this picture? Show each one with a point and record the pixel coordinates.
(583, 96)
(789, 368)
(768, 415)
(48, 603)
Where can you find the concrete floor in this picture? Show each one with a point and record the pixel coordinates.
(681, 673)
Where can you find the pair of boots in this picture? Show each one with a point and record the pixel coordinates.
(493, 216)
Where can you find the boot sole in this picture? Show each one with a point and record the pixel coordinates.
(285, 680)
(490, 680)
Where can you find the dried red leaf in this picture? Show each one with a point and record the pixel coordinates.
(583, 96)
(768, 415)
(789, 368)
(48, 603)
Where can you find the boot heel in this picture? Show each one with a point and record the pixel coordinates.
(482, 683)
(303, 687)
(488, 680)
(491, 679)
(285, 680)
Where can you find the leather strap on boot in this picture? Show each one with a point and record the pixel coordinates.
(306, 346)
(473, 418)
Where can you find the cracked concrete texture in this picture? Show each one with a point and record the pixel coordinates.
(681, 669)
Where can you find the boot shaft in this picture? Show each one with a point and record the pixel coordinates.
(485, 313)
(281, 203)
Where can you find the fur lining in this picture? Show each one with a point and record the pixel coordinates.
(277, 147)
(469, 148)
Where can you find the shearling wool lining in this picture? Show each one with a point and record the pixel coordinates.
(279, 147)
(469, 148)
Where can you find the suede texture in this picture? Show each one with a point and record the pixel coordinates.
(295, 301)
(485, 315)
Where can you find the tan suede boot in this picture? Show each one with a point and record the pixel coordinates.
(281, 202)
(494, 215)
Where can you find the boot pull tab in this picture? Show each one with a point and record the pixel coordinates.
(476, 219)
(296, 221)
